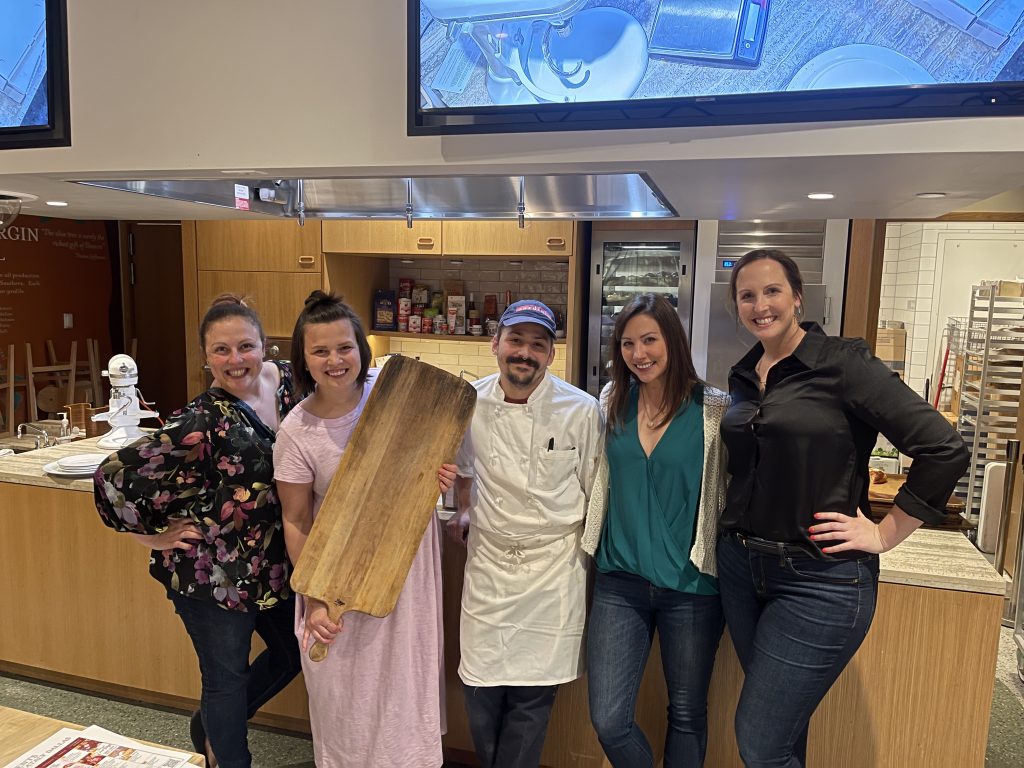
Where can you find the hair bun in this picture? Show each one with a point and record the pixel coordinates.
(315, 298)
(228, 298)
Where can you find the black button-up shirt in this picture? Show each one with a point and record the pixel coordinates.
(803, 445)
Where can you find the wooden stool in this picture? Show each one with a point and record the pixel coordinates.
(49, 373)
(7, 388)
(92, 348)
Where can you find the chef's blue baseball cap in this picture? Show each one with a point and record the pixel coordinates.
(529, 311)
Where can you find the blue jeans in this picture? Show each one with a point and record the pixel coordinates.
(234, 689)
(624, 613)
(795, 622)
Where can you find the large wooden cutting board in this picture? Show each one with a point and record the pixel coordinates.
(382, 497)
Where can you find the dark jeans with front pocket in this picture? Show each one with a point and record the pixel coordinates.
(233, 688)
(795, 621)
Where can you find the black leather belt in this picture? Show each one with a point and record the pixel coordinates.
(779, 548)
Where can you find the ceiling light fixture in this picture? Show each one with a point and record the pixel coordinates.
(930, 195)
(820, 196)
(10, 207)
(57, 203)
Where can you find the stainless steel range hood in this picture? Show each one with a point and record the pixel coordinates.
(559, 196)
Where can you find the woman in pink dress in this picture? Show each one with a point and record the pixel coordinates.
(377, 699)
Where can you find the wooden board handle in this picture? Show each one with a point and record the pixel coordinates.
(318, 651)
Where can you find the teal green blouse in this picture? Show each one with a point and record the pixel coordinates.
(652, 505)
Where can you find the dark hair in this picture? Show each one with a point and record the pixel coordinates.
(680, 375)
(228, 305)
(325, 308)
(789, 267)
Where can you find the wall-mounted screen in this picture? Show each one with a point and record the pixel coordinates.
(514, 65)
(33, 74)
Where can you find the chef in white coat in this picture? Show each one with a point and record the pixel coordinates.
(526, 467)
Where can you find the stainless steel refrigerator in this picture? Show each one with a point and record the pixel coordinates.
(624, 264)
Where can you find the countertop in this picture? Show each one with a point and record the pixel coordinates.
(928, 558)
(27, 468)
(942, 560)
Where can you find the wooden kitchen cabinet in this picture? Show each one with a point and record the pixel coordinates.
(506, 239)
(259, 246)
(277, 296)
(382, 237)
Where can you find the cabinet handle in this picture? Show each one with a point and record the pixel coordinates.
(307, 261)
(556, 242)
(426, 242)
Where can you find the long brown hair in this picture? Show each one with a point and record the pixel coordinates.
(323, 307)
(680, 375)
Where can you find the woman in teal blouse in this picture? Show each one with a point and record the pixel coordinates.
(651, 527)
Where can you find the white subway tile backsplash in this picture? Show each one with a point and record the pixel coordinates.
(911, 227)
(928, 263)
(923, 305)
(892, 230)
(906, 291)
(927, 277)
(925, 291)
(930, 236)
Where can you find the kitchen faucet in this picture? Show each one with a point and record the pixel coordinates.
(40, 435)
(463, 374)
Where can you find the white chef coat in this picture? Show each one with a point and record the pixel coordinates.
(524, 596)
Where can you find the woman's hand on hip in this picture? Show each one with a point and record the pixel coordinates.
(850, 533)
(446, 477)
(181, 533)
(319, 627)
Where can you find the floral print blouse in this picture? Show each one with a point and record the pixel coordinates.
(213, 463)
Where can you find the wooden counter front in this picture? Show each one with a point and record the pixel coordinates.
(80, 608)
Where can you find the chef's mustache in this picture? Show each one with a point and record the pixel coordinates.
(522, 360)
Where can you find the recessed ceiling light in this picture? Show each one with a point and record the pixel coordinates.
(456, 262)
(57, 203)
(515, 263)
(408, 261)
(820, 196)
(930, 195)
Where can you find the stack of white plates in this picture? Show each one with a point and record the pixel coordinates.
(81, 465)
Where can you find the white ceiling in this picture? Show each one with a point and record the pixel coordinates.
(864, 185)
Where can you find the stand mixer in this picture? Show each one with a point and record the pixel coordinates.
(124, 413)
(550, 50)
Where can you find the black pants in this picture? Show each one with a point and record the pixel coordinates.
(508, 723)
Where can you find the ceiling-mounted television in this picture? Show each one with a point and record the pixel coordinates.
(34, 100)
(492, 66)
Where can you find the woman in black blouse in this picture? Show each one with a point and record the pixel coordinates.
(798, 559)
(200, 494)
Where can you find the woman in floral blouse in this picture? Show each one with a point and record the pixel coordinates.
(199, 492)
